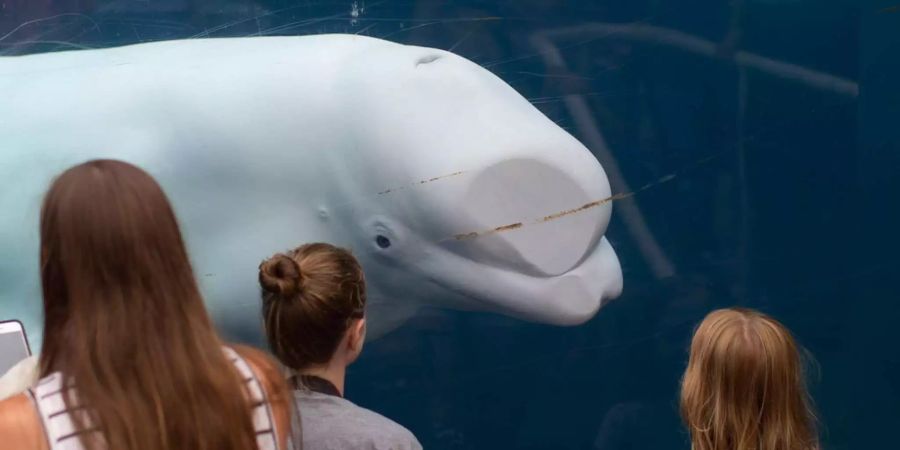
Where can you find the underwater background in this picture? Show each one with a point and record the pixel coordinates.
(761, 141)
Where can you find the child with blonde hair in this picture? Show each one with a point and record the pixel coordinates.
(744, 387)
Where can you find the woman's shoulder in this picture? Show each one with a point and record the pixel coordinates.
(390, 429)
(265, 369)
(19, 424)
(272, 381)
(351, 423)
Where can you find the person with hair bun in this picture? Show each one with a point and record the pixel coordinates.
(744, 386)
(313, 302)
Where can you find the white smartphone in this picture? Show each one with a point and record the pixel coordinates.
(13, 344)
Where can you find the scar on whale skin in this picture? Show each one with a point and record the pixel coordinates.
(388, 191)
(554, 216)
(561, 214)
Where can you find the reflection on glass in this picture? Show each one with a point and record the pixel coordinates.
(743, 162)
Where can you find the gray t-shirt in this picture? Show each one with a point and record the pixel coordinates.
(332, 423)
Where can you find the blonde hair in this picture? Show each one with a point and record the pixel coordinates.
(744, 387)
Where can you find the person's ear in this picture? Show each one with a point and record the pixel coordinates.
(357, 337)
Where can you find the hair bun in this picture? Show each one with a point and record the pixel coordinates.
(280, 275)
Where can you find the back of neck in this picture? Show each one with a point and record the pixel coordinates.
(332, 373)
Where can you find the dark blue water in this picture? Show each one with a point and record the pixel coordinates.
(762, 137)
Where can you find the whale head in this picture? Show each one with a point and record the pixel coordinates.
(478, 201)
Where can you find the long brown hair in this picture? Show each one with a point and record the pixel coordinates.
(310, 295)
(744, 387)
(124, 319)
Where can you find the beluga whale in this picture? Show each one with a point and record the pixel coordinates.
(450, 187)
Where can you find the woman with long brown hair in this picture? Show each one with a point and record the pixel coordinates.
(744, 387)
(130, 359)
(314, 300)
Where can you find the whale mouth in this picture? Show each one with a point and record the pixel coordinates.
(570, 298)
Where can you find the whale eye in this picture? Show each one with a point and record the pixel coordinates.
(382, 241)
